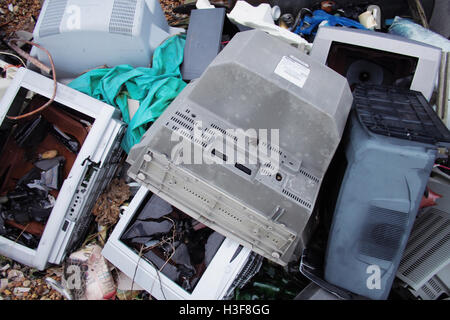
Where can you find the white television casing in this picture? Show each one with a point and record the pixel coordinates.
(214, 284)
(98, 155)
(429, 57)
(84, 34)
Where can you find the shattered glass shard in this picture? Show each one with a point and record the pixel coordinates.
(181, 256)
(212, 245)
(155, 208)
(147, 229)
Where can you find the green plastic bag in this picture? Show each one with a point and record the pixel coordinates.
(154, 88)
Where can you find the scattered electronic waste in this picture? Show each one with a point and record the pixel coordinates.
(173, 256)
(309, 152)
(262, 17)
(392, 147)
(265, 205)
(82, 35)
(425, 266)
(53, 165)
(365, 56)
(272, 282)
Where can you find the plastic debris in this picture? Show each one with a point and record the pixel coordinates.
(204, 4)
(154, 87)
(261, 17)
(309, 24)
(87, 276)
(408, 29)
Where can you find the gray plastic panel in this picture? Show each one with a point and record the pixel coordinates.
(376, 208)
(428, 249)
(256, 82)
(202, 41)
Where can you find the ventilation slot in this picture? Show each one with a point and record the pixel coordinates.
(224, 132)
(228, 214)
(185, 134)
(420, 227)
(185, 117)
(268, 169)
(52, 18)
(434, 285)
(428, 248)
(310, 176)
(406, 258)
(302, 202)
(195, 194)
(207, 134)
(182, 123)
(122, 17)
(271, 148)
(182, 132)
(429, 293)
(419, 271)
(383, 234)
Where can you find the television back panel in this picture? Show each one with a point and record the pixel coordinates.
(380, 194)
(257, 187)
(84, 34)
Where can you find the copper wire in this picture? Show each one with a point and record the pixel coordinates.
(41, 66)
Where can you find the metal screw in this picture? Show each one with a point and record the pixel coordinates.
(147, 157)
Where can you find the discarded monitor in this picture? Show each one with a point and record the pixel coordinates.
(364, 56)
(53, 166)
(392, 146)
(257, 187)
(171, 255)
(82, 34)
(425, 265)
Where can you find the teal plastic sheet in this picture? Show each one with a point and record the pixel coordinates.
(154, 88)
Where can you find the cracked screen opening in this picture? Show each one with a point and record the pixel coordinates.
(171, 241)
(37, 154)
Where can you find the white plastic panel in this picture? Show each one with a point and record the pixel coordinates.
(213, 284)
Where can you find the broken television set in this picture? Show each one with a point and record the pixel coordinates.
(53, 165)
(173, 256)
(367, 57)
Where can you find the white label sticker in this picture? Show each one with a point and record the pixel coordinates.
(293, 70)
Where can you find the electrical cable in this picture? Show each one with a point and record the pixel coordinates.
(41, 66)
(15, 56)
(441, 166)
